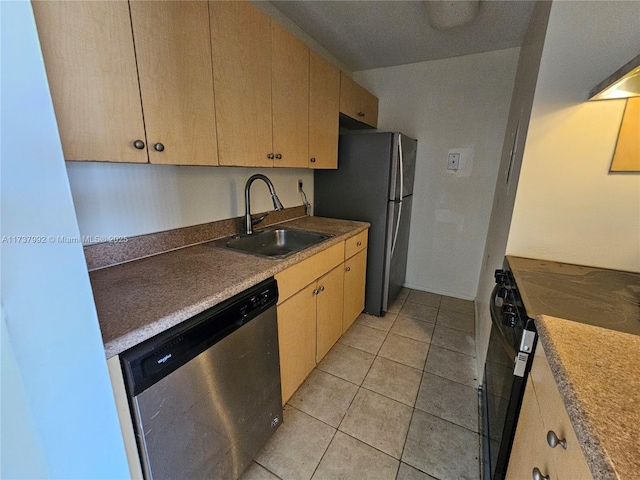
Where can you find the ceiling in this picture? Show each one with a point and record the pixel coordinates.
(371, 34)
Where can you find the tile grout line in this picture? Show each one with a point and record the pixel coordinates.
(362, 387)
(337, 429)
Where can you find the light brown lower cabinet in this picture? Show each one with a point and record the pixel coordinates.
(311, 307)
(355, 272)
(309, 324)
(543, 412)
(297, 339)
(330, 291)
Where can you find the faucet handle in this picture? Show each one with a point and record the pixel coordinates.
(255, 221)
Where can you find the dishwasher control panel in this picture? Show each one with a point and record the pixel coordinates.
(153, 359)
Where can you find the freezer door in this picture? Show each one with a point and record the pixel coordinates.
(396, 255)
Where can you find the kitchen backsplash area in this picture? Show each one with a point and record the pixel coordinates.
(128, 200)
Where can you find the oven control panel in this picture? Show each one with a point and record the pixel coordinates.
(512, 310)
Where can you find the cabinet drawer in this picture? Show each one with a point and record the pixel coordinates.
(302, 274)
(356, 243)
(569, 463)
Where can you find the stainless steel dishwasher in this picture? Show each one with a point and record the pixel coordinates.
(205, 395)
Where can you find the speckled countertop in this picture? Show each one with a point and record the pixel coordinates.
(588, 320)
(598, 380)
(576, 292)
(139, 299)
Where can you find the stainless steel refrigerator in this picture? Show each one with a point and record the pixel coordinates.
(374, 183)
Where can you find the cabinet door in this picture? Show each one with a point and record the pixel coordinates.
(357, 102)
(349, 104)
(297, 339)
(355, 272)
(290, 98)
(91, 68)
(369, 105)
(329, 310)
(173, 48)
(324, 105)
(241, 45)
(570, 464)
(530, 448)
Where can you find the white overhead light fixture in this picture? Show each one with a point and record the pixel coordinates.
(446, 14)
(623, 83)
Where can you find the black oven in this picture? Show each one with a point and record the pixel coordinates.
(507, 366)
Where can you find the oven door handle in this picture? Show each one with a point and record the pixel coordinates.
(496, 313)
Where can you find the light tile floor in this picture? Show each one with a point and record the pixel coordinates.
(395, 398)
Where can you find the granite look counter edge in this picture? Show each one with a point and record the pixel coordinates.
(601, 406)
(135, 301)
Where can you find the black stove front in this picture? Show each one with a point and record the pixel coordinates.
(508, 362)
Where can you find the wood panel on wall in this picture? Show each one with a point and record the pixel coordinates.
(626, 157)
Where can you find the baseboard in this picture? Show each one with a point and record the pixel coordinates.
(446, 294)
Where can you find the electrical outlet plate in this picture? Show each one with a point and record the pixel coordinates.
(453, 161)
(299, 185)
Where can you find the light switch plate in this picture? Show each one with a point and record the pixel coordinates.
(453, 161)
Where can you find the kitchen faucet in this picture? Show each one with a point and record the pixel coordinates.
(248, 221)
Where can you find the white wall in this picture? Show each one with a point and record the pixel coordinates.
(456, 103)
(58, 412)
(568, 207)
(113, 199)
(509, 172)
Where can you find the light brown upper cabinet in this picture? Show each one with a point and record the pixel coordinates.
(324, 104)
(173, 49)
(91, 69)
(241, 45)
(90, 51)
(357, 102)
(290, 98)
(261, 80)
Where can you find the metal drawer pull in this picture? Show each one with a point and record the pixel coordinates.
(359, 244)
(158, 147)
(361, 114)
(537, 474)
(139, 144)
(348, 269)
(313, 159)
(554, 441)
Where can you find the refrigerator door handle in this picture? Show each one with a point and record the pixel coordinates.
(400, 165)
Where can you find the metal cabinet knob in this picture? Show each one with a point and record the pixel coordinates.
(537, 474)
(348, 269)
(322, 288)
(361, 114)
(359, 244)
(554, 441)
(139, 144)
(158, 147)
(316, 291)
(270, 155)
(278, 156)
(313, 159)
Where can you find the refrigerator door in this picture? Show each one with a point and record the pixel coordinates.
(403, 166)
(399, 220)
(359, 190)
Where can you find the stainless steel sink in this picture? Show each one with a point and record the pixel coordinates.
(274, 242)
